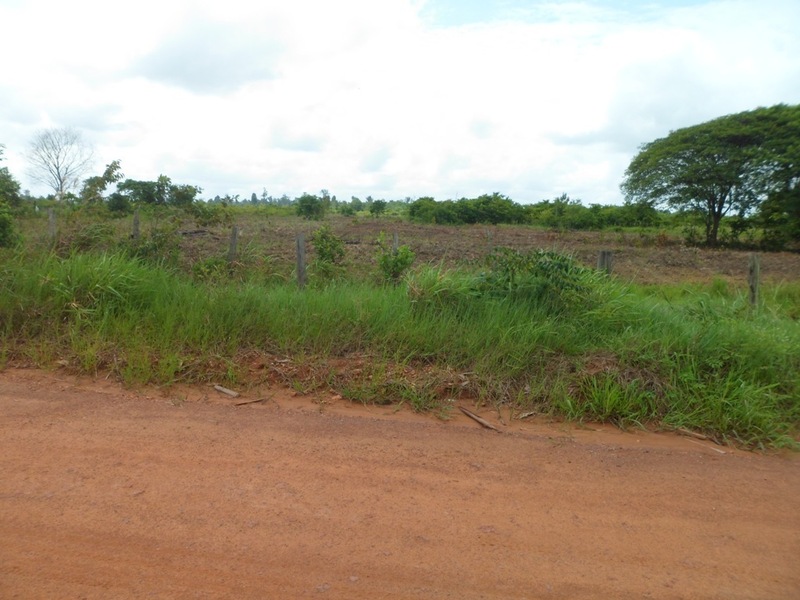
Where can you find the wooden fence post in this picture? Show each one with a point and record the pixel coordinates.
(301, 260)
(753, 278)
(605, 262)
(489, 240)
(135, 231)
(51, 225)
(234, 242)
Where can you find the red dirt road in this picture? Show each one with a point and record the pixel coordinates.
(108, 493)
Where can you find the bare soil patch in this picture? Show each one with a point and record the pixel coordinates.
(646, 258)
(112, 493)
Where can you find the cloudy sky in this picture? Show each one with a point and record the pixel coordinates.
(389, 98)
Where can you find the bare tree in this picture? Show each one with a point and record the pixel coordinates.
(59, 158)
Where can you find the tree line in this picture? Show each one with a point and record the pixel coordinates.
(735, 175)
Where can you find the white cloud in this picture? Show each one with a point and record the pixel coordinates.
(380, 98)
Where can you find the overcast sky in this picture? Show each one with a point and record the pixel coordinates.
(389, 98)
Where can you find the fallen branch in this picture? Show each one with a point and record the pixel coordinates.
(251, 401)
(480, 420)
(694, 434)
(225, 390)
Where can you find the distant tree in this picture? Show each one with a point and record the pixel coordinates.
(428, 210)
(9, 187)
(139, 192)
(730, 164)
(182, 195)
(162, 191)
(253, 198)
(311, 207)
(377, 208)
(59, 158)
(94, 187)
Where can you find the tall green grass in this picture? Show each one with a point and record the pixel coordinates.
(555, 338)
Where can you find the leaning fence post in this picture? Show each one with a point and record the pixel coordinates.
(234, 241)
(135, 231)
(605, 262)
(754, 275)
(51, 225)
(301, 260)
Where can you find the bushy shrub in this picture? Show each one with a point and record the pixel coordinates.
(550, 279)
(311, 207)
(547, 280)
(207, 215)
(392, 263)
(329, 249)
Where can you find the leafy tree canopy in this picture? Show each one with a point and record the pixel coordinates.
(733, 163)
(161, 191)
(310, 206)
(94, 187)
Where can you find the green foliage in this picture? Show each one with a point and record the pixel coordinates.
(731, 164)
(182, 195)
(94, 187)
(543, 277)
(488, 208)
(377, 207)
(559, 213)
(207, 215)
(427, 210)
(9, 187)
(160, 192)
(8, 234)
(311, 207)
(119, 204)
(329, 249)
(567, 213)
(392, 263)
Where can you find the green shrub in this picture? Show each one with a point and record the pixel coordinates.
(206, 215)
(544, 277)
(330, 253)
(392, 263)
(311, 207)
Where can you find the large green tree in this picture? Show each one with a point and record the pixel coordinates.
(728, 165)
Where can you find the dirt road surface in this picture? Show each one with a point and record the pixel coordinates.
(112, 493)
